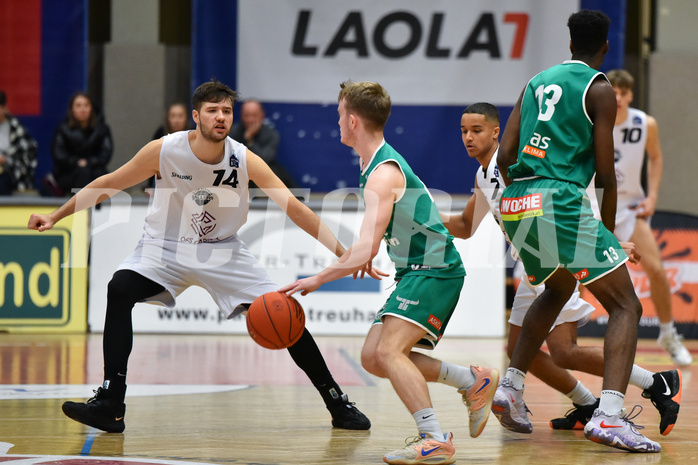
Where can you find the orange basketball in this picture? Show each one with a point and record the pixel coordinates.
(275, 321)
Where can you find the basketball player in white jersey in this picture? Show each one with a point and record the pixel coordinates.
(634, 134)
(190, 238)
(480, 133)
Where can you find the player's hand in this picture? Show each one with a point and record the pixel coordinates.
(646, 208)
(631, 250)
(368, 269)
(40, 222)
(252, 130)
(305, 286)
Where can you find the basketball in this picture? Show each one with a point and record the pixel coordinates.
(275, 321)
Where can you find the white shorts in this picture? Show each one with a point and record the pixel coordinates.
(625, 224)
(575, 310)
(226, 269)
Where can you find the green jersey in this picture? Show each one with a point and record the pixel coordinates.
(556, 133)
(416, 238)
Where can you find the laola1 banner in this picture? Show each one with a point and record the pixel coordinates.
(433, 57)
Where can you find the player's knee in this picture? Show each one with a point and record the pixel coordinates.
(368, 361)
(119, 289)
(381, 359)
(630, 306)
(563, 358)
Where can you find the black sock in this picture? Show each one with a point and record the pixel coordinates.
(116, 386)
(125, 289)
(308, 357)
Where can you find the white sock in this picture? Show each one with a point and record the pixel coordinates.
(580, 395)
(428, 424)
(666, 328)
(641, 378)
(456, 376)
(611, 402)
(516, 377)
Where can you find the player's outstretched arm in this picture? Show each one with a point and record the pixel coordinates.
(144, 165)
(379, 194)
(464, 224)
(260, 173)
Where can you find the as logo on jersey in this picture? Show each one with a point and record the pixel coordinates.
(202, 196)
(637, 120)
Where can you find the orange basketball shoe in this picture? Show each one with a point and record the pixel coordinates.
(424, 450)
(478, 397)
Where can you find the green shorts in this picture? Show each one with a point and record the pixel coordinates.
(551, 225)
(425, 301)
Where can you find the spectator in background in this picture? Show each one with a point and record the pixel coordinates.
(17, 152)
(82, 145)
(260, 138)
(176, 119)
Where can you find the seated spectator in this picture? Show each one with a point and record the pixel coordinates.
(17, 153)
(82, 145)
(176, 119)
(259, 137)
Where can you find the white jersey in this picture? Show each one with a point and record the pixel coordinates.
(490, 182)
(629, 140)
(190, 236)
(195, 202)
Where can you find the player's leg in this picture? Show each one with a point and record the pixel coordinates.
(508, 405)
(308, 357)
(660, 292)
(236, 285)
(392, 355)
(609, 425)
(106, 409)
(540, 318)
(615, 293)
(543, 366)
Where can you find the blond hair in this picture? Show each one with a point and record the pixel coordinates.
(368, 100)
(621, 78)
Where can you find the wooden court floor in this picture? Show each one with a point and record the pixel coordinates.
(222, 399)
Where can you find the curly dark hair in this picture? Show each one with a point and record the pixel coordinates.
(588, 31)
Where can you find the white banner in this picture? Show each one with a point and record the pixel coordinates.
(345, 307)
(438, 52)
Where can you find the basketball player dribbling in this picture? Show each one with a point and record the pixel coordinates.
(200, 201)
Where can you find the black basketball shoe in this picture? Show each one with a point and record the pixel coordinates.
(103, 411)
(665, 395)
(346, 416)
(576, 418)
